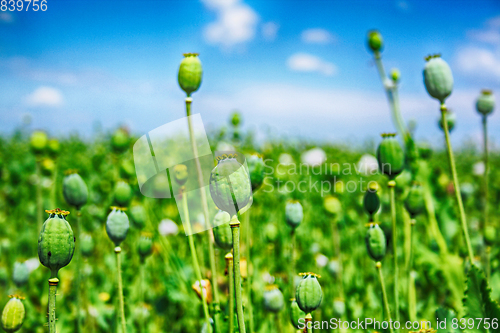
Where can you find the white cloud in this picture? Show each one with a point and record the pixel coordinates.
(236, 23)
(45, 97)
(303, 62)
(6, 18)
(317, 36)
(490, 34)
(479, 62)
(270, 30)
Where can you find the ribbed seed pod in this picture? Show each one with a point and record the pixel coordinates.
(375, 41)
(451, 119)
(38, 141)
(145, 246)
(273, 299)
(438, 78)
(20, 274)
(390, 156)
(222, 232)
(371, 201)
(293, 213)
(332, 205)
(13, 314)
(296, 314)
(180, 174)
(230, 186)
(53, 147)
(308, 293)
(117, 225)
(414, 202)
(122, 194)
(190, 73)
(56, 243)
(485, 103)
(490, 235)
(375, 242)
(138, 216)
(75, 190)
(86, 244)
(256, 170)
(235, 119)
(120, 140)
(395, 75)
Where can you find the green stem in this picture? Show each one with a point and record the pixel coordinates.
(204, 204)
(248, 285)
(141, 286)
(120, 289)
(409, 270)
(384, 293)
(39, 210)
(392, 185)
(308, 319)
(78, 272)
(486, 170)
(53, 282)
(235, 228)
(338, 254)
(488, 259)
(196, 265)
(392, 97)
(229, 258)
(291, 271)
(456, 185)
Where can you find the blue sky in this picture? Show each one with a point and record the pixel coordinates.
(293, 68)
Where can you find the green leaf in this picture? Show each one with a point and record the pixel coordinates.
(445, 320)
(478, 302)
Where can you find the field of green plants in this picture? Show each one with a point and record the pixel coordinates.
(393, 230)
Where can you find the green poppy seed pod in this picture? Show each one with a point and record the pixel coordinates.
(190, 73)
(438, 78)
(293, 213)
(222, 232)
(138, 216)
(395, 75)
(20, 274)
(414, 202)
(122, 193)
(120, 140)
(256, 170)
(490, 235)
(145, 246)
(375, 242)
(38, 141)
(485, 102)
(53, 147)
(390, 156)
(332, 205)
(270, 232)
(375, 41)
(230, 185)
(296, 314)
(86, 245)
(308, 293)
(117, 225)
(75, 190)
(371, 201)
(13, 314)
(451, 119)
(235, 119)
(56, 243)
(273, 299)
(180, 174)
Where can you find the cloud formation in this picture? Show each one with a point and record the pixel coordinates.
(270, 30)
(45, 97)
(236, 23)
(317, 36)
(304, 62)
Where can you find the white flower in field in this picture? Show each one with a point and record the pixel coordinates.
(321, 260)
(32, 264)
(224, 146)
(368, 164)
(478, 168)
(268, 278)
(314, 157)
(334, 267)
(93, 311)
(286, 159)
(168, 227)
(339, 306)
